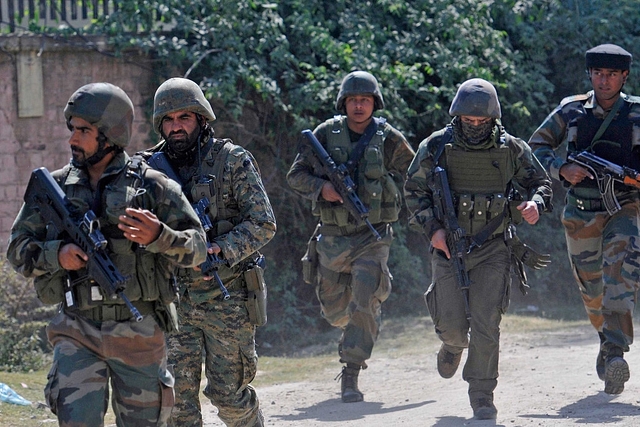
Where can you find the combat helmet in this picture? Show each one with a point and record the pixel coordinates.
(178, 94)
(359, 83)
(476, 97)
(106, 107)
(608, 56)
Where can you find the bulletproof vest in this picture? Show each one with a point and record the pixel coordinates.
(209, 184)
(614, 144)
(375, 186)
(149, 278)
(479, 181)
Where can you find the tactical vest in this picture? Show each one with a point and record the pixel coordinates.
(614, 144)
(223, 210)
(149, 278)
(375, 186)
(479, 181)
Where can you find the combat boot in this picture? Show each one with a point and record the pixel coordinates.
(349, 383)
(600, 360)
(484, 409)
(448, 362)
(616, 371)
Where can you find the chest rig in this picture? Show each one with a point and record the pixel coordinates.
(148, 279)
(374, 186)
(480, 182)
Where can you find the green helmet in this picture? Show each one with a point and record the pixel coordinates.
(178, 94)
(105, 106)
(476, 97)
(359, 83)
(608, 56)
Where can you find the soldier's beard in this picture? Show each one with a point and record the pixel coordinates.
(79, 157)
(182, 146)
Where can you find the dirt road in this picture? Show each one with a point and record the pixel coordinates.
(547, 378)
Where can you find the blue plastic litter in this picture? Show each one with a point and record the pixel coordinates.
(10, 396)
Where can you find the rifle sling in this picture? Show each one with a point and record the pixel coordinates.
(607, 121)
(358, 151)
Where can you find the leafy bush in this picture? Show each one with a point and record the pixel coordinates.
(23, 345)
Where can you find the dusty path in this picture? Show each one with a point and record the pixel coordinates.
(546, 379)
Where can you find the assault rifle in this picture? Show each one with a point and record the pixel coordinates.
(46, 197)
(445, 213)
(210, 266)
(342, 182)
(606, 174)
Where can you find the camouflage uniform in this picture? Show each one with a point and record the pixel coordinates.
(220, 330)
(353, 278)
(603, 249)
(96, 341)
(481, 173)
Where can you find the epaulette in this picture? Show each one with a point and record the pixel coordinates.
(574, 98)
(632, 99)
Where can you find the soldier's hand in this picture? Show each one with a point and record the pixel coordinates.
(212, 248)
(72, 257)
(140, 226)
(574, 173)
(529, 211)
(439, 241)
(330, 194)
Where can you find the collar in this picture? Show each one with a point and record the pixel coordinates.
(80, 175)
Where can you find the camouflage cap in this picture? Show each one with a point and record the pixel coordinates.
(359, 83)
(178, 94)
(105, 106)
(476, 97)
(608, 56)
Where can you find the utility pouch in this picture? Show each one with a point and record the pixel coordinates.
(166, 316)
(50, 287)
(310, 259)
(257, 293)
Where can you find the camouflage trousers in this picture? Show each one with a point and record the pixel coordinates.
(353, 282)
(489, 273)
(604, 252)
(86, 356)
(220, 332)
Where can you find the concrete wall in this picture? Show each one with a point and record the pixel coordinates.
(33, 131)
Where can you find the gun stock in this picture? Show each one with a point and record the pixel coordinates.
(46, 196)
(445, 213)
(342, 182)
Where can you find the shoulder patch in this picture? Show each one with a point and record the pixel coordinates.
(633, 99)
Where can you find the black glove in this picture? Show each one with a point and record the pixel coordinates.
(528, 256)
(521, 255)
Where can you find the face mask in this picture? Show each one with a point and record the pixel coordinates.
(476, 134)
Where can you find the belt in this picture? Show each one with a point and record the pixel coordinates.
(347, 230)
(115, 312)
(588, 205)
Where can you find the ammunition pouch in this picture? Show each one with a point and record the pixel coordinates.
(50, 287)
(166, 316)
(256, 294)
